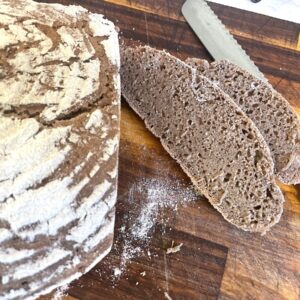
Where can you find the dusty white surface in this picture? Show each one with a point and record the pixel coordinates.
(281, 9)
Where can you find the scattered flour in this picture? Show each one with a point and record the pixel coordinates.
(167, 296)
(144, 204)
(117, 272)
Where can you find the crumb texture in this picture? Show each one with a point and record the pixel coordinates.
(215, 143)
(59, 138)
(270, 112)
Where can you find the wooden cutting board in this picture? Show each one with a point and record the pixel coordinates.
(216, 260)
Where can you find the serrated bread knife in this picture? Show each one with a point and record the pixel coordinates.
(216, 38)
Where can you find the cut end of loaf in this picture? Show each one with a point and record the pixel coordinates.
(227, 160)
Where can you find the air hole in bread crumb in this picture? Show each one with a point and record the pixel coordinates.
(239, 153)
(228, 203)
(269, 194)
(162, 67)
(227, 177)
(258, 156)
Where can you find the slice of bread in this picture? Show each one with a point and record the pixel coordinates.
(270, 112)
(215, 143)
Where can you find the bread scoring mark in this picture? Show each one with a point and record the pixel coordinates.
(31, 268)
(68, 265)
(110, 148)
(94, 171)
(53, 224)
(100, 31)
(10, 255)
(70, 213)
(33, 202)
(51, 33)
(101, 233)
(60, 52)
(5, 234)
(95, 239)
(90, 218)
(21, 111)
(20, 170)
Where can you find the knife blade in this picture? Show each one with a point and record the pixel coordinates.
(216, 37)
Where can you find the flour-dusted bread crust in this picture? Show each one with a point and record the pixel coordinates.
(59, 137)
(215, 143)
(270, 112)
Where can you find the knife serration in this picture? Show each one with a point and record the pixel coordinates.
(216, 37)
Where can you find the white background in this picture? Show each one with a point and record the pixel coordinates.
(281, 9)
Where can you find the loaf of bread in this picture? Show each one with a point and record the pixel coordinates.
(59, 137)
(270, 112)
(215, 143)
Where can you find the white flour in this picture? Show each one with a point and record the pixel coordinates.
(145, 203)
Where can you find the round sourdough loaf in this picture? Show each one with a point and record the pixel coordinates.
(59, 137)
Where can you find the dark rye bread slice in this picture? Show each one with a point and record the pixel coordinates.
(215, 143)
(270, 112)
(59, 137)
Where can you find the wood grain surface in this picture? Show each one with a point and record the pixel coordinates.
(216, 259)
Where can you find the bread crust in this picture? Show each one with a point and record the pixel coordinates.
(59, 139)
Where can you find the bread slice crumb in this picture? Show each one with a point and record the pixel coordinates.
(270, 112)
(204, 130)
